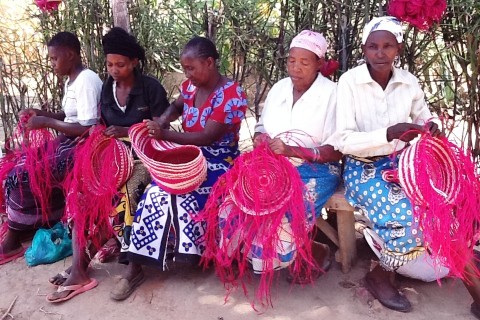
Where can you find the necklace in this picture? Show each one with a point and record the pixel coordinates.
(114, 90)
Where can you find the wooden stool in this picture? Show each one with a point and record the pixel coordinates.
(344, 237)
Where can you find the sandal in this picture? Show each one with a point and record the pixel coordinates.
(75, 289)
(7, 257)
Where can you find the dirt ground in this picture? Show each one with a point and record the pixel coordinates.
(194, 294)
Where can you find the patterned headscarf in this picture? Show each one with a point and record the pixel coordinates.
(311, 41)
(386, 23)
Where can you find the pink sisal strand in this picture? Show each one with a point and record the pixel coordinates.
(7, 163)
(39, 157)
(102, 165)
(36, 148)
(248, 204)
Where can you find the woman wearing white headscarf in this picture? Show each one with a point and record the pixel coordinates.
(380, 109)
(297, 120)
(303, 105)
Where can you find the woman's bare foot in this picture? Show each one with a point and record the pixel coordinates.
(61, 277)
(11, 246)
(77, 277)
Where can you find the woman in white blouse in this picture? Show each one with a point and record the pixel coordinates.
(303, 105)
(24, 206)
(380, 109)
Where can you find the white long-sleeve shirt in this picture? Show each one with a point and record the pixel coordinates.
(312, 114)
(365, 111)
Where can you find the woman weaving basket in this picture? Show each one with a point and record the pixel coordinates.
(262, 210)
(128, 97)
(212, 108)
(297, 121)
(27, 207)
(256, 219)
(380, 109)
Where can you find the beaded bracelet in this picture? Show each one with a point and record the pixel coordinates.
(316, 155)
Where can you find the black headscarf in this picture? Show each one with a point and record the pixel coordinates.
(119, 41)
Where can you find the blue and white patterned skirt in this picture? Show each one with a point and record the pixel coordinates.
(165, 223)
(321, 181)
(399, 244)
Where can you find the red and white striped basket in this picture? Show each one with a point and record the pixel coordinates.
(122, 160)
(431, 171)
(178, 169)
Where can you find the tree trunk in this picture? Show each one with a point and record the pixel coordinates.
(120, 14)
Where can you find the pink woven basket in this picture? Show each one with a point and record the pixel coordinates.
(122, 160)
(263, 186)
(178, 169)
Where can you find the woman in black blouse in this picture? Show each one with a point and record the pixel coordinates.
(128, 97)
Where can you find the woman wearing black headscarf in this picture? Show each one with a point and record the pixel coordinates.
(128, 97)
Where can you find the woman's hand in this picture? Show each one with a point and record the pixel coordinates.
(434, 130)
(163, 122)
(279, 147)
(259, 138)
(37, 122)
(30, 112)
(404, 131)
(328, 154)
(116, 132)
(154, 129)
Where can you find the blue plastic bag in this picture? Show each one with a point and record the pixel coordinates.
(49, 246)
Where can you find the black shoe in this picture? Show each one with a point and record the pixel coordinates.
(398, 302)
(475, 309)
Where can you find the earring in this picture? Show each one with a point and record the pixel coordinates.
(361, 61)
(396, 62)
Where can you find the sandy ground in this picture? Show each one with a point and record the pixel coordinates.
(193, 294)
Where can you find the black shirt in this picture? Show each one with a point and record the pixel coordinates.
(146, 100)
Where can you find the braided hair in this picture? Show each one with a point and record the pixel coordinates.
(65, 39)
(119, 41)
(201, 47)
